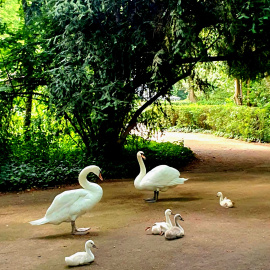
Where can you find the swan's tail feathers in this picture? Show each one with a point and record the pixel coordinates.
(69, 261)
(39, 221)
(182, 180)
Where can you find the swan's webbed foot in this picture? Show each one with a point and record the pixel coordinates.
(150, 200)
(82, 229)
(79, 231)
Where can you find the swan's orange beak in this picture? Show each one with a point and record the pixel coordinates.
(143, 156)
(100, 177)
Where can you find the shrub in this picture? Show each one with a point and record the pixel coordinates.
(241, 122)
(63, 166)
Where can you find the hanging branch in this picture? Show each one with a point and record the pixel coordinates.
(133, 122)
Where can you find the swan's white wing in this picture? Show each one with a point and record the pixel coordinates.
(160, 224)
(159, 227)
(162, 176)
(156, 229)
(78, 258)
(65, 199)
(68, 204)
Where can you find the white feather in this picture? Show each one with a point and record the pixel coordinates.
(227, 203)
(81, 258)
(176, 231)
(161, 227)
(161, 178)
(69, 205)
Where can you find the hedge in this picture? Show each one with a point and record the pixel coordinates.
(240, 122)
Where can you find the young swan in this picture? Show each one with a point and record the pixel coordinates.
(81, 258)
(161, 227)
(176, 231)
(227, 203)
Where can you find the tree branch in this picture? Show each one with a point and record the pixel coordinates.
(23, 94)
(180, 60)
(133, 122)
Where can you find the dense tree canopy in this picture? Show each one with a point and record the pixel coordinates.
(97, 58)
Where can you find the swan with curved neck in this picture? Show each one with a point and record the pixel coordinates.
(175, 231)
(161, 227)
(161, 178)
(224, 202)
(81, 258)
(69, 205)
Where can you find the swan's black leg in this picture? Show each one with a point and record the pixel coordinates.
(154, 199)
(156, 195)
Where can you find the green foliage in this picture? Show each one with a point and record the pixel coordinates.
(101, 52)
(240, 122)
(62, 166)
(248, 38)
(9, 10)
(45, 159)
(20, 176)
(88, 61)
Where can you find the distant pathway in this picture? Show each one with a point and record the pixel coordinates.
(221, 154)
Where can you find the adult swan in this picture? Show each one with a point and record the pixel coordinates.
(69, 205)
(161, 178)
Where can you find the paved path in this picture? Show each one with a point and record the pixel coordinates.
(215, 238)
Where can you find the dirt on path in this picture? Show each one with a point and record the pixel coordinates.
(215, 237)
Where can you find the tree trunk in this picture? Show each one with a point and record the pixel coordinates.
(238, 92)
(248, 91)
(28, 114)
(267, 79)
(191, 94)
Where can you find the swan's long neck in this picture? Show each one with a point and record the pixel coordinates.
(89, 252)
(176, 221)
(86, 184)
(168, 220)
(142, 172)
(221, 197)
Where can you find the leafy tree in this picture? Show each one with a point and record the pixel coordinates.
(103, 54)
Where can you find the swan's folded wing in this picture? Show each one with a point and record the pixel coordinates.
(161, 176)
(65, 200)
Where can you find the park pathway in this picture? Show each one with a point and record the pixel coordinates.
(221, 154)
(215, 238)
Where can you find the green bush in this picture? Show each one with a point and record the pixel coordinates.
(59, 167)
(241, 122)
(125, 165)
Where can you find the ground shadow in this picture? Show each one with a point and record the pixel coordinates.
(66, 236)
(178, 199)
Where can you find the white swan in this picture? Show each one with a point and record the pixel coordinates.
(176, 231)
(69, 205)
(161, 227)
(227, 203)
(161, 178)
(81, 258)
